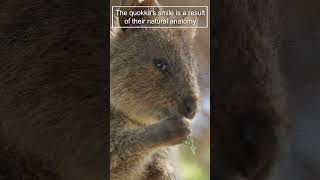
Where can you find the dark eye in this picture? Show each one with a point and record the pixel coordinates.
(160, 63)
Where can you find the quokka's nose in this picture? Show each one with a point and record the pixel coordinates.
(189, 107)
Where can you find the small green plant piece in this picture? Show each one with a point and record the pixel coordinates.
(189, 142)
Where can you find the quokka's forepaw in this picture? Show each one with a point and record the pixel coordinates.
(173, 130)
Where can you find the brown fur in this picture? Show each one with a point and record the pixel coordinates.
(146, 105)
(249, 103)
(53, 74)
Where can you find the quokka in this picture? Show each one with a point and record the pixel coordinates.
(154, 93)
(249, 104)
(53, 90)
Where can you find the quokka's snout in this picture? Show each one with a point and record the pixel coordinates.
(189, 106)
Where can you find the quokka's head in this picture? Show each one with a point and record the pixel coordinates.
(153, 71)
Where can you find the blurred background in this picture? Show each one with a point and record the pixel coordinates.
(196, 166)
(300, 64)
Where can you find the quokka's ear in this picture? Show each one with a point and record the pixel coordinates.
(136, 3)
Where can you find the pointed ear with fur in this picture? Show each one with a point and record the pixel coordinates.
(136, 3)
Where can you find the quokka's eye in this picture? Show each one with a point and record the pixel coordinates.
(161, 64)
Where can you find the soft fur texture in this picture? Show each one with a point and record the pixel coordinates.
(147, 105)
(249, 103)
(53, 83)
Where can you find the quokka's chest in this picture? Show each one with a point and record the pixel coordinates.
(162, 164)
